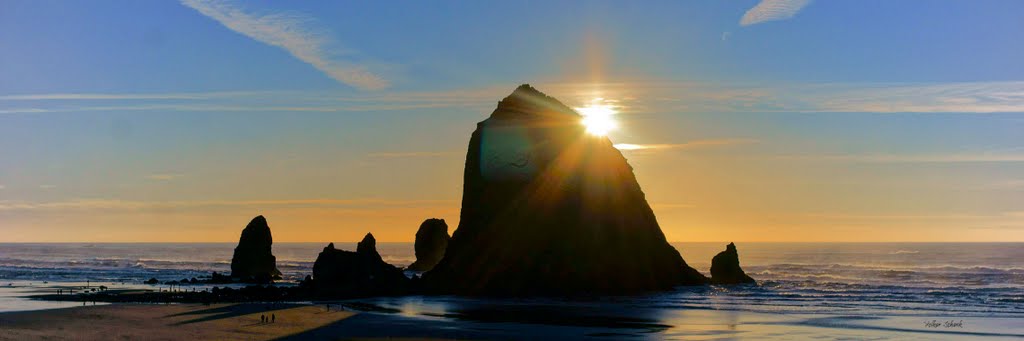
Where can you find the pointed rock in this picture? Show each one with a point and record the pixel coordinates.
(431, 241)
(548, 210)
(367, 245)
(253, 260)
(725, 268)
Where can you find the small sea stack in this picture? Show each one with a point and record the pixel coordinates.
(725, 268)
(361, 273)
(253, 260)
(431, 241)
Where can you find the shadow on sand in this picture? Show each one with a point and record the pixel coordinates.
(230, 311)
(491, 321)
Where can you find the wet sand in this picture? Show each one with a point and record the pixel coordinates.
(305, 322)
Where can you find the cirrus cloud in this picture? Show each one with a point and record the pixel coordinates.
(687, 145)
(771, 10)
(290, 32)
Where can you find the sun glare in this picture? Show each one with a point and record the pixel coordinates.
(598, 118)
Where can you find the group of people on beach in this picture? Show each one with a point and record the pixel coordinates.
(268, 319)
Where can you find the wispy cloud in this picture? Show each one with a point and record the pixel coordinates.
(771, 10)
(133, 96)
(163, 177)
(113, 204)
(974, 221)
(394, 155)
(226, 108)
(69, 96)
(941, 216)
(1012, 155)
(1007, 184)
(976, 97)
(980, 157)
(687, 145)
(632, 97)
(997, 155)
(24, 111)
(673, 206)
(245, 101)
(291, 32)
(692, 97)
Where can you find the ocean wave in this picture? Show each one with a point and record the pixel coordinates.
(861, 281)
(889, 266)
(810, 296)
(919, 276)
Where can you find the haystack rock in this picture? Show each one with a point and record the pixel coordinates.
(548, 209)
(359, 273)
(253, 260)
(725, 268)
(431, 241)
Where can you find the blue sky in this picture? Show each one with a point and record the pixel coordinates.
(756, 120)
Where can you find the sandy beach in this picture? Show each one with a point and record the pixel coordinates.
(166, 322)
(305, 322)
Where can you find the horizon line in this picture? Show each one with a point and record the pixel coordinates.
(406, 242)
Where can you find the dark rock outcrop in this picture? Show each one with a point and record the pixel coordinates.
(431, 241)
(368, 246)
(217, 278)
(253, 260)
(549, 210)
(725, 268)
(361, 273)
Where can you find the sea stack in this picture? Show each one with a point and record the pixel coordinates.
(343, 273)
(548, 209)
(431, 241)
(725, 268)
(253, 260)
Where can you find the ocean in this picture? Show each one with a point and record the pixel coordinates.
(980, 281)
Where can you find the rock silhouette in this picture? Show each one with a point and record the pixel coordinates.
(360, 273)
(431, 241)
(253, 260)
(550, 210)
(368, 246)
(725, 268)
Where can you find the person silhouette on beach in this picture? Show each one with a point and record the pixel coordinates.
(263, 318)
(273, 318)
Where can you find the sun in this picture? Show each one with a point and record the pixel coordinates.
(598, 118)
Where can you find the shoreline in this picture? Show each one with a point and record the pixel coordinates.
(312, 321)
(804, 292)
